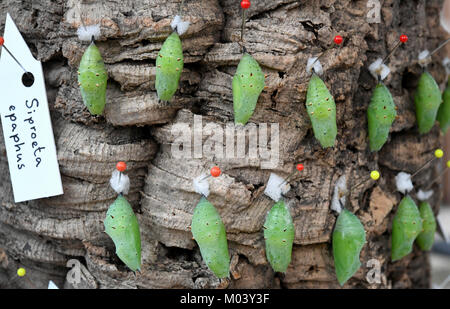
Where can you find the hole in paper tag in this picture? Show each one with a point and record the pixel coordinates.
(28, 79)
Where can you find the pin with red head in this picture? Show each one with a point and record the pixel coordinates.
(200, 183)
(2, 43)
(245, 5)
(119, 181)
(298, 168)
(314, 62)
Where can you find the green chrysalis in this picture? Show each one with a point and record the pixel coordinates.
(406, 226)
(427, 99)
(425, 239)
(279, 237)
(209, 233)
(92, 78)
(443, 115)
(349, 237)
(169, 64)
(380, 116)
(248, 82)
(122, 226)
(322, 112)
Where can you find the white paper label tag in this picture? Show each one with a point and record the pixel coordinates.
(27, 128)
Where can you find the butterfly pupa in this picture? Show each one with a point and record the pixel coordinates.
(427, 100)
(279, 236)
(349, 237)
(122, 226)
(380, 116)
(169, 64)
(92, 79)
(406, 226)
(322, 111)
(248, 83)
(443, 115)
(208, 231)
(425, 239)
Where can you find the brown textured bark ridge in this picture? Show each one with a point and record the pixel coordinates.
(43, 235)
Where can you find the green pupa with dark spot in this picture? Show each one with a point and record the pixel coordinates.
(380, 116)
(92, 79)
(279, 237)
(425, 239)
(208, 231)
(427, 99)
(443, 115)
(169, 65)
(248, 83)
(349, 237)
(322, 112)
(406, 226)
(122, 226)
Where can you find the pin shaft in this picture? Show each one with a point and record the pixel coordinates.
(15, 59)
(392, 52)
(243, 25)
(423, 166)
(439, 47)
(436, 179)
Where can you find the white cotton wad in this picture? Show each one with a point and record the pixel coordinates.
(378, 68)
(52, 285)
(403, 182)
(180, 26)
(120, 183)
(340, 191)
(86, 33)
(424, 58)
(314, 65)
(201, 185)
(275, 187)
(446, 64)
(424, 195)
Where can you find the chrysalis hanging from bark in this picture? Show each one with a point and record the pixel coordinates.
(209, 233)
(122, 226)
(427, 99)
(380, 116)
(406, 226)
(279, 237)
(322, 112)
(443, 115)
(169, 65)
(92, 79)
(349, 237)
(248, 83)
(425, 239)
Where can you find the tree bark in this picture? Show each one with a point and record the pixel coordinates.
(42, 235)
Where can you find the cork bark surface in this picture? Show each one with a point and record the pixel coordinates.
(42, 235)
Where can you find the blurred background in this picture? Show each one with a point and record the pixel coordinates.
(440, 256)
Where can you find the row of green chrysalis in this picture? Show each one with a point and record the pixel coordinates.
(412, 223)
(248, 83)
(430, 106)
(209, 232)
(381, 112)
